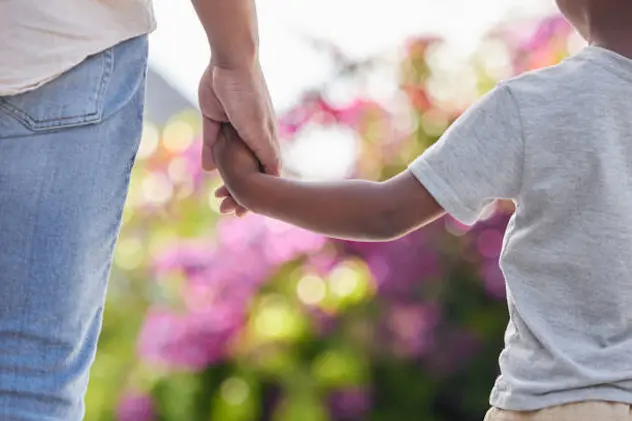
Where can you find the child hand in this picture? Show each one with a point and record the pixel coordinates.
(235, 162)
(229, 204)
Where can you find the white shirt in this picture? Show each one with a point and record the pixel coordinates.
(558, 142)
(41, 39)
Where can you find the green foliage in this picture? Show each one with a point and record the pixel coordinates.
(291, 326)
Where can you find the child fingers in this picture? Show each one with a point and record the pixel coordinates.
(241, 211)
(228, 205)
(222, 192)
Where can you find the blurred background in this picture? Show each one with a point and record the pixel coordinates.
(226, 319)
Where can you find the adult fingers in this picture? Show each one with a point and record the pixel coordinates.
(266, 151)
(210, 130)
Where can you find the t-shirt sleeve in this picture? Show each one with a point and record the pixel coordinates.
(478, 159)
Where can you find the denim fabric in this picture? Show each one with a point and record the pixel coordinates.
(66, 152)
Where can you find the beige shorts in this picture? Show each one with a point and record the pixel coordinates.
(581, 411)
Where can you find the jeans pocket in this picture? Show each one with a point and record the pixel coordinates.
(75, 98)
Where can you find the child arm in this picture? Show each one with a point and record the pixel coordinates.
(351, 209)
(480, 158)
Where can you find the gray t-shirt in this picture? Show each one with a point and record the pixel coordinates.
(558, 142)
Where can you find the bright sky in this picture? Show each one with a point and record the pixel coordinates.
(363, 28)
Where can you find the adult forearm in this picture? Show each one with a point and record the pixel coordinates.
(232, 31)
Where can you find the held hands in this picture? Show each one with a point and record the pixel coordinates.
(235, 162)
(238, 121)
(239, 96)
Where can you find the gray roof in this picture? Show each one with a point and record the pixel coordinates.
(163, 100)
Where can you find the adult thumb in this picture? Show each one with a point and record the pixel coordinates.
(210, 130)
(268, 155)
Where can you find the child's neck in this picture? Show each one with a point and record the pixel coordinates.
(617, 38)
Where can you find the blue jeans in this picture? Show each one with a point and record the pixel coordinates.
(66, 152)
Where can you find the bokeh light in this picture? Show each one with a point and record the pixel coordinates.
(311, 289)
(251, 319)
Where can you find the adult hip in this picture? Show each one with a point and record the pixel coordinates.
(66, 153)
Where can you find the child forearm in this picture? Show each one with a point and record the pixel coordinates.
(353, 209)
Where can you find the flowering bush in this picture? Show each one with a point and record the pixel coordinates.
(252, 319)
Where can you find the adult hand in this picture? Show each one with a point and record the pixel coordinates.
(239, 96)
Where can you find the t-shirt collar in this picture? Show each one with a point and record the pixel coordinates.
(610, 60)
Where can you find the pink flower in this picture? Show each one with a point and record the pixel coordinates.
(350, 404)
(359, 110)
(285, 242)
(272, 241)
(220, 284)
(193, 158)
(202, 293)
(545, 47)
(189, 257)
(489, 243)
(399, 266)
(316, 110)
(192, 341)
(493, 279)
(549, 28)
(418, 97)
(135, 407)
(323, 322)
(294, 120)
(453, 351)
(411, 328)
(323, 262)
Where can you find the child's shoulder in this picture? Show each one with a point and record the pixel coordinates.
(548, 85)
